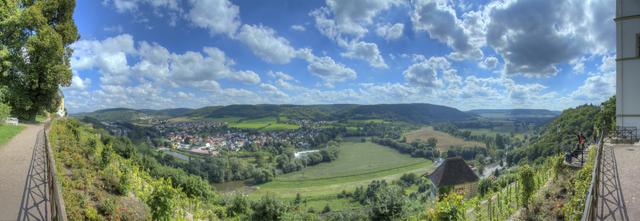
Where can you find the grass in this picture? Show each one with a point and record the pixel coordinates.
(357, 165)
(445, 140)
(9, 131)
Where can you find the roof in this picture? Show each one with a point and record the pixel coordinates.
(453, 171)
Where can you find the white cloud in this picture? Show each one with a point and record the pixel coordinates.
(425, 73)
(534, 36)
(349, 18)
(390, 32)
(272, 90)
(77, 83)
(217, 16)
(365, 51)
(489, 63)
(298, 28)
(109, 56)
(439, 19)
(264, 42)
(326, 68)
(596, 88)
(577, 64)
(280, 75)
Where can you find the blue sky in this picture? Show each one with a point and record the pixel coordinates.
(460, 53)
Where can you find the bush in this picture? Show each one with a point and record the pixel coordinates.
(326, 209)
(161, 202)
(268, 209)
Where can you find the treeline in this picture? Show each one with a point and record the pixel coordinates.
(385, 130)
(416, 149)
(498, 141)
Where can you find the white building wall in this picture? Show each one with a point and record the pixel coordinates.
(628, 63)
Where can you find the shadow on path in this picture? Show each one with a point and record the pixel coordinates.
(35, 202)
(611, 204)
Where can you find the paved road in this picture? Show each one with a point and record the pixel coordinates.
(23, 177)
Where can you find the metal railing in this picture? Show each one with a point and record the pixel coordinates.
(591, 200)
(56, 202)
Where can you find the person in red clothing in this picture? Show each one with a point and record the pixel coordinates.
(581, 141)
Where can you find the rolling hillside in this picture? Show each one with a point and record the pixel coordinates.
(413, 113)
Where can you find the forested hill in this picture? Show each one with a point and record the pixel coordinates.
(413, 113)
(515, 113)
(559, 136)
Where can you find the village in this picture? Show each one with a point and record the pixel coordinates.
(209, 137)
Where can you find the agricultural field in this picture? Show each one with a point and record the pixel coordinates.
(9, 131)
(357, 165)
(445, 140)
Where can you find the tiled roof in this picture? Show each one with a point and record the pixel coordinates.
(453, 171)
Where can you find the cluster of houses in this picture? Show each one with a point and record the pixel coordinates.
(209, 137)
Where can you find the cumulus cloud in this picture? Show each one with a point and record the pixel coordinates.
(390, 32)
(326, 68)
(365, 51)
(109, 56)
(425, 73)
(534, 36)
(154, 62)
(217, 16)
(439, 19)
(349, 18)
(265, 44)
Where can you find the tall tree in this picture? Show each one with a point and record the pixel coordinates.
(34, 53)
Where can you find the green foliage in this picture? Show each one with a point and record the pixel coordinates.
(268, 208)
(578, 189)
(102, 180)
(162, 203)
(607, 119)
(527, 183)
(34, 53)
(239, 205)
(451, 207)
(5, 111)
(387, 203)
(560, 135)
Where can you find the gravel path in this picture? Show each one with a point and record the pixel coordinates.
(22, 176)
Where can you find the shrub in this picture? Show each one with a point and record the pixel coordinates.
(268, 209)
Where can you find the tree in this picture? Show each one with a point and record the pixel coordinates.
(432, 142)
(387, 203)
(34, 53)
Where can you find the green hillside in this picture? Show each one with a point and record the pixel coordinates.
(105, 178)
(413, 113)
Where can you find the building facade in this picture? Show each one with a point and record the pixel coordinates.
(628, 63)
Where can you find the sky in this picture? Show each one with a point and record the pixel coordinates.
(465, 54)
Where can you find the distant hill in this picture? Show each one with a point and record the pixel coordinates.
(515, 114)
(413, 113)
